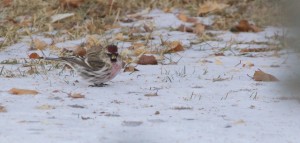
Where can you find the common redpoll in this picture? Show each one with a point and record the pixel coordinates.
(100, 65)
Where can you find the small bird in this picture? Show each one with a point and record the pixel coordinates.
(98, 66)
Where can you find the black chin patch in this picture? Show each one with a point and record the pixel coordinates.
(113, 60)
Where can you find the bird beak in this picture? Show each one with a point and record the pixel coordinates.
(113, 57)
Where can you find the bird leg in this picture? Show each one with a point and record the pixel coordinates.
(98, 85)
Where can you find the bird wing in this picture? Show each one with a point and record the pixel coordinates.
(94, 61)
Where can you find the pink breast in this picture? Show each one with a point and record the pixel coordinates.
(116, 67)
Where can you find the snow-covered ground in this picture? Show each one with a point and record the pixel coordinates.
(202, 98)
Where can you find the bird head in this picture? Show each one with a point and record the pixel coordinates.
(112, 52)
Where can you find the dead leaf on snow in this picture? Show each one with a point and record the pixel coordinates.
(245, 26)
(119, 36)
(2, 109)
(218, 61)
(39, 44)
(130, 68)
(182, 17)
(76, 95)
(79, 51)
(34, 56)
(45, 107)
(199, 28)
(147, 60)
(247, 50)
(185, 18)
(209, 7)
(239, 122)
(259, 75)
(151, 94)
(132, 123)
(174, 47)
(184, 28)
(147, 28)
(17, 91)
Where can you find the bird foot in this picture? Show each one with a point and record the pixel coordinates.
(98, 85)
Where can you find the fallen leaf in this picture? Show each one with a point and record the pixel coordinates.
(119, 36)
(76, 95)
(219, 54)
(182, 108)
(40, 45)
(199, 28)
(79, 51)
(130, 69)
(182, 17)
(139, 14)
(76, 106)
(147, 60)
(45, 107)
(218, 62)
(239, 122)
(192, 20)
(210, 7)
(132, 123)
(174, 46)
(70, 3)
(151, 94)
(259, 75)
(17, 91)
(58, 17)
(245, 26)
(7, 3)
(126, 20)
(147, 28)
(2, 109)
(248, 64)
(247, 50)
(184, 28)
(34, 56)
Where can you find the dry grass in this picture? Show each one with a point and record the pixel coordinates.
(26, 17)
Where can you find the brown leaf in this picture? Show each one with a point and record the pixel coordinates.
(254, 28)
(191, 20)
(40, 45)
(209, 7)
(247, 50)
(7, 3)
(76, 95)
(185, 18)
(147, 28)
(245, 26)
(79, 51)
(147, 60)
(130, 69)
(219, 54)
(17, 91)
(182, 17)
(199, 28)
(70, 3)
(184, 28)
(2, 109)
(126, 20)
(174, 46)
(34, 56)
(262, 76)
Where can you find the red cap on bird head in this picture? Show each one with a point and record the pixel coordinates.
(112, 48)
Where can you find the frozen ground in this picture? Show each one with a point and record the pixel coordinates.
(203, 98)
